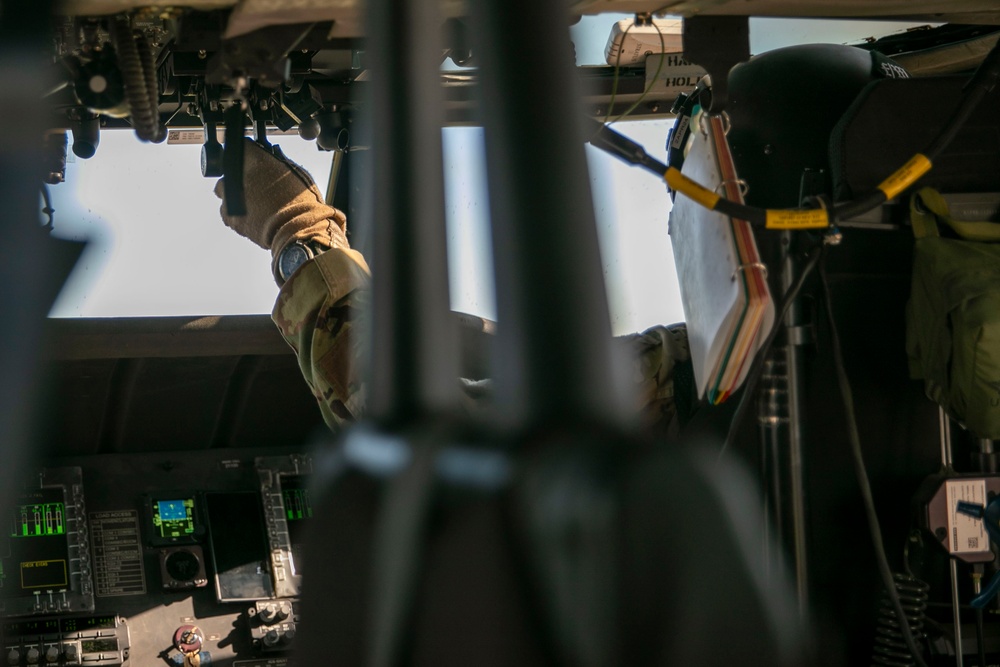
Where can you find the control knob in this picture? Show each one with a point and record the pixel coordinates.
(52, 654)
(273, 613)
(14, 657)
(72, 655)
(33, 655)
(271, 639)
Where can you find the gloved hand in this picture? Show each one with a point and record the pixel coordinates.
(283, 204)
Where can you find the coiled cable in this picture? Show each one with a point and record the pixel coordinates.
(891, 649)
(158, 132)
(145, 117)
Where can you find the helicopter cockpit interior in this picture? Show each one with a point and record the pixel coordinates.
(811, 187)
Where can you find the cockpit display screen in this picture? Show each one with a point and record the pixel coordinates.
(295, 498)
(174, 518)
(34, 551)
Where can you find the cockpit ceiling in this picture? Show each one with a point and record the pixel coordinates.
(249, 15)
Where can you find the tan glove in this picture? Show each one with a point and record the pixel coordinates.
(283, 205)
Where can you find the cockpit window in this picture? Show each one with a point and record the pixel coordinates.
(157, 245)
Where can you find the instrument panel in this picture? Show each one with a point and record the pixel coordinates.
(177, 558)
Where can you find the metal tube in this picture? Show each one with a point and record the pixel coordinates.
(414, 361)
(772, 417)
(956, 613)
(796, 463)
(331, 183)
(944, 428)
(987, 456)
(554, 355)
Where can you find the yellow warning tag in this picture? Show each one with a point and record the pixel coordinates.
(815, 218)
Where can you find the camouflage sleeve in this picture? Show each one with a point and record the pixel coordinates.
(660, 369)
(318, 312)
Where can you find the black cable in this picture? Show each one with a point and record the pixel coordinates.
(982, 82)
(862, 476)
(757, 367)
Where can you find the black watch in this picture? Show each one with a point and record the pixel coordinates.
(294, 255)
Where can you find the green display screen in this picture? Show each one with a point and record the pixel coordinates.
(39, 520)
(34, 549)
(99, 645)
(87, 623)
(295, 496)
(174, 518)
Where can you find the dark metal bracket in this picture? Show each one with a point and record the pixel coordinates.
(717, 43)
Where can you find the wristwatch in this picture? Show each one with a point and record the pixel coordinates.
(294, 255)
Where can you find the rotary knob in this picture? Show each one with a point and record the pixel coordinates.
(52, 654)
(272, 638)
(14, 657)
(268, 614)
(273, 613)
(33, 656)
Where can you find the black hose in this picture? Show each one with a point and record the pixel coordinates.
(130, 64)
(158, 132)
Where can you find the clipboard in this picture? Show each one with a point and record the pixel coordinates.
(723, 283)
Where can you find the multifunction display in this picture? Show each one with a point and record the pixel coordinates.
(44, 560)
(174, 518)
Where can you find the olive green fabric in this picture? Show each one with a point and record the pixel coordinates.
(953, 315)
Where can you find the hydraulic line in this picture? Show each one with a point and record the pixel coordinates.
(983, 81)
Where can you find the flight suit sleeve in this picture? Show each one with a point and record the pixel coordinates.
(319, 312)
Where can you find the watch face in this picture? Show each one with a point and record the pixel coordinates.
(292, 257)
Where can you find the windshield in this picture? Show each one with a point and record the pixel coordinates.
(157, 245)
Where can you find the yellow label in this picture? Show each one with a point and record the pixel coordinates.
(905, 176)
(689, 188)
(810, 219)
